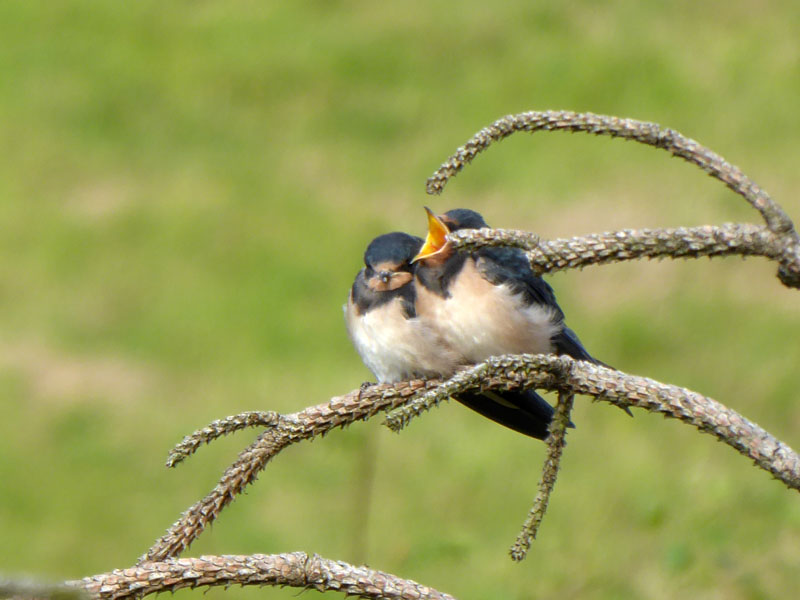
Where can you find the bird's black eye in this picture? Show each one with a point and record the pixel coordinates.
(385, 276)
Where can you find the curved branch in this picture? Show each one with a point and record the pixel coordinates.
(217, 429)
(547, 256)
(643, 132)
(284, 431)
(785, 242)
(555, 447)
(411, 398)
(702, 412)
(295, 569)
(565, 374)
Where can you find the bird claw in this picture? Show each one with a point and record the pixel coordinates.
(365, 385)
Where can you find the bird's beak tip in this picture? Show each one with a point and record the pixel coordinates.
(436, 239)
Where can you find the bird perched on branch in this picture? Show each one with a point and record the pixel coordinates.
(382, 320)
(397, 343)
(487, 302)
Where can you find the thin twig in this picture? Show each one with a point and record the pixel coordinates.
(217, 429)
(643, 132)
(358, 405)
(786, 244)
(555, 447)
(295, 569)
(729, 239)
(465, 379)
(562, 373)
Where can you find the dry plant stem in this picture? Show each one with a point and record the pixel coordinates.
(562, 373)
(317, 420)
(217, 429)
(786, 243)
(547, 256)
(464, 379)
(295, 569)
(545, 372)
(643, 132)
(555, 447)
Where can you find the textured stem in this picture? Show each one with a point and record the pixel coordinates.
(523, 371)
(464, 379)
(217, 429)
(284, 431)
(643, 132)
(555, 447)
(706, 414)
(562, 373)
(729, 239)
(295, 569)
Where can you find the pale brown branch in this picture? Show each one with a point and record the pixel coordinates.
(217, 429)
(565, 374)
(783, 245)
(555, 447)
(410, 398)
(465, 379)
(286, 430)
(643, 132)
(295, 569)
(729, 239)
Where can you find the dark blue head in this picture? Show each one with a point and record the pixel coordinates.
(387, 274)
(392, 251)
(463, 218)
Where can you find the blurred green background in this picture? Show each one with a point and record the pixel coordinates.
(186, 190)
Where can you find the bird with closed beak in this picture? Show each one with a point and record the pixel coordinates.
(381, 315)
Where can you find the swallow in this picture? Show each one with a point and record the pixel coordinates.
(396, 344)
(381, 315)
(488, 302)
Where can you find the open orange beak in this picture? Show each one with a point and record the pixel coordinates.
(436, 238)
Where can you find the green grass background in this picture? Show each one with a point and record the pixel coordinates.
(186, 189)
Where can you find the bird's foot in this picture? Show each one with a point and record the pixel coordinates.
(363, 387)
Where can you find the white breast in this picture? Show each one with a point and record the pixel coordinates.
(396, 348)
(480, 319)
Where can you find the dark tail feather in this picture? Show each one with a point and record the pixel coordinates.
(524, 411)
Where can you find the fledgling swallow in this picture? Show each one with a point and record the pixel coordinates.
(488, 302)
(396, 344)
(381, 315)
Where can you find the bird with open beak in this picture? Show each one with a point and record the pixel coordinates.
(397, 344)
(487, 302)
